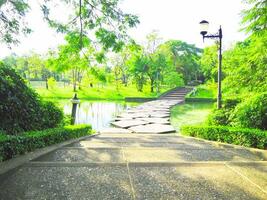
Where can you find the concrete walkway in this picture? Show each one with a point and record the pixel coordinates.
(133, 166)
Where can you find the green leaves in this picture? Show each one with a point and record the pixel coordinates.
(241, 136)
(12, 20)
(102, 18)
(255, 18)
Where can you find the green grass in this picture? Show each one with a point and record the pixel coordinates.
(101, 93)
(189, 113)
(204, 91)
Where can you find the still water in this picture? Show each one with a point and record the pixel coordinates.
(98, 114)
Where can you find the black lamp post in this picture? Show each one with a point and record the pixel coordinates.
(204, 25)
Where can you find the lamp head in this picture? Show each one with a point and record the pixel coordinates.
(204, 27)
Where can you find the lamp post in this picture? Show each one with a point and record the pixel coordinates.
(75, 101)
(204, 25)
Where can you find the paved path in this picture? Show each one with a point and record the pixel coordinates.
(133, 166)
(121, 163)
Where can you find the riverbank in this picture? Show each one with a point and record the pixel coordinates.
(101, 93)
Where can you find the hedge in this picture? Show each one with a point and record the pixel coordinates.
(21, 108)
(240, 136)
(11, 145)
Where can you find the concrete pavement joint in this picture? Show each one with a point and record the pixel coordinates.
(141, 164)
(246, 178)
(129, 175)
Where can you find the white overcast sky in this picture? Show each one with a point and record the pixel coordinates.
(173, 19)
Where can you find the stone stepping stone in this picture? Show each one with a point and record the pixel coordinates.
(122, 118)
(133, 115)
(128, 123)
(153, 128)
(156, 120)
(160, 115)
(115, 130)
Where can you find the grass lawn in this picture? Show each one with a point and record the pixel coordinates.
(190, 113)
(204, 91)
(96, 93)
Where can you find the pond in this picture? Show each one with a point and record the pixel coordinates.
(100, 113)
(189, 113)
(97, 113)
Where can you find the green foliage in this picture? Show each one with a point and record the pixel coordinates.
(239, 136)
(20, 107)
(11, 146)
(103, 18)
(223, 115)
(51, 83)
(12, 21)
(51, 115)
(184, 58)
(251, 113)
(255, 18)
(204, 91)
(209, 63)
(245, 66)
(174, 80)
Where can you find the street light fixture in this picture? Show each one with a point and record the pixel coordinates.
(204, 26)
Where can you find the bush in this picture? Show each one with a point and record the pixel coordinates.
(223, 115)
(51, 115)
(251, 113)
(11, 146)
(21, 108)
(240, 136)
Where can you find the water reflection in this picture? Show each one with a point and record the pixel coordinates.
(98, 114)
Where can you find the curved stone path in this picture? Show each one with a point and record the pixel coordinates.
(150, 117)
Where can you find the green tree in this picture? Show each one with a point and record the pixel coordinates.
(12, 20)
(255, 17)
(209, 63)
(184, 57)
(102, 17)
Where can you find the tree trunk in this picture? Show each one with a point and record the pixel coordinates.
(152, 85)
(46, 83)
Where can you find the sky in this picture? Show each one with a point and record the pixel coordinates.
(173, 19)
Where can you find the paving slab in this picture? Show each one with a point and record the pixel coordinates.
(83, 183)
(128, 123)
(115, 130)
(156, 120)
(256, 172)
(160, 115)
(187, 183)
(132, 115)
(182, 155)
(153, 128)
(122, 118)
(93, 155)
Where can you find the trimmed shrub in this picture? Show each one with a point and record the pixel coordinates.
(240, 136)
(11, 145)
(51, 115)
(21, 108)
(251, 113)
